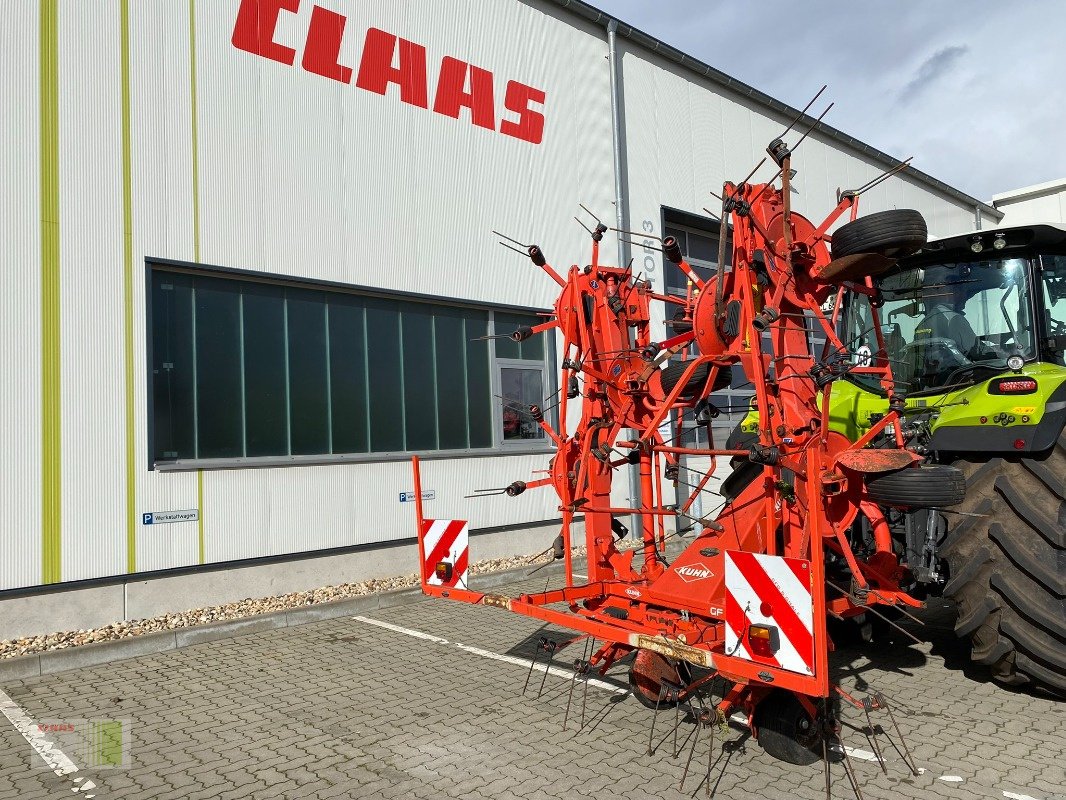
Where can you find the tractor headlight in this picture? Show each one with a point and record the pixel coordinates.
(1015, 362)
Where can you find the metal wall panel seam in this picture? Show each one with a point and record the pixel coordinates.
(194, 116)
(127, 284)
(51, 379)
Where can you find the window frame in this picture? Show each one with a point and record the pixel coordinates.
(500, 364)
(690, 223)
(497, 448)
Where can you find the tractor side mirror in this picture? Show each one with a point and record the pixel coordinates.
(912, 309)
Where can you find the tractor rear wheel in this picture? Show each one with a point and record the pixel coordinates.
(1007, 568)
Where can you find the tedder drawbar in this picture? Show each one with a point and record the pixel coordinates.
(746, 602)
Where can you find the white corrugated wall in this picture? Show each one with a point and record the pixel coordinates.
(20, 293)
(279, 170)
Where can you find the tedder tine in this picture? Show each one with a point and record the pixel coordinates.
(688, 761)
(710, 747)
(651, 731)
(570, 694)
(909, 759)
(677, 724)
(549, 647)
(825, 759)
(585, 688)
(581, 666)
(867, 704)
(849, 769)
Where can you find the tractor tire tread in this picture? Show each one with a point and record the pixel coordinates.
(1030, 513)
(1038, 561)
(1007, 567)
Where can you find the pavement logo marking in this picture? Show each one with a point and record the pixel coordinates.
(56, 759)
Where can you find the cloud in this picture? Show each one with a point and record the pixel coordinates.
(931, 70)
(977, 97)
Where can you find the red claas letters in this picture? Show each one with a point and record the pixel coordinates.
(388, 59)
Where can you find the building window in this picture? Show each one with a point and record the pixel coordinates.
(246, 369)
(700, 248)
(699, 245)
(522, 379)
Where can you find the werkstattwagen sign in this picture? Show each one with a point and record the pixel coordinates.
(160, 517)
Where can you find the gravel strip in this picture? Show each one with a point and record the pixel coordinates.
(249, 607)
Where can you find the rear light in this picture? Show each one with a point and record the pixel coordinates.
(444, 571)
(1019, 444)
(1013, 386)
(763, 640)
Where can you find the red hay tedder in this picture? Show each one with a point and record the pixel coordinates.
(746, 601)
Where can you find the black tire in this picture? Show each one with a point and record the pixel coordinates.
(925, 486)
(673, 373)
(893, 234)
(740, 439)
(738, 480)
(786, 731)
(1007, 569)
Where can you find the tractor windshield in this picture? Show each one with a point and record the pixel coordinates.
(946, 324)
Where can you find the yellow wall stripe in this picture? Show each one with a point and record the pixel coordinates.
(51, 380)
(194, 116)
(127, 285)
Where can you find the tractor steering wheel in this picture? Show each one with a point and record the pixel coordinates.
(939, 356)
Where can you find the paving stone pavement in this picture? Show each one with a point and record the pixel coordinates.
(346, 708)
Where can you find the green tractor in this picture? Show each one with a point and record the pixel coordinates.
(975, 329)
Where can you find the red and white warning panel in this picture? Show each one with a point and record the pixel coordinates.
(445, 552)
(769, 610)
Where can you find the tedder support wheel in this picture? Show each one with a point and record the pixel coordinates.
(1007, 568)
(786, 731)
(647, 674)
(924, 486)
(893, 234)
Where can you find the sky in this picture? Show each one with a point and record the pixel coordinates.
(974, 90)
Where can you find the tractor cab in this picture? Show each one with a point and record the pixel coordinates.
(974, 327)
(963, 308)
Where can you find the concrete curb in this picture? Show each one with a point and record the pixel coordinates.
(90, 655)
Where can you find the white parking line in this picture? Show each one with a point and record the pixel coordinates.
(56, 759)
(1016, 796)
(477, 651)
